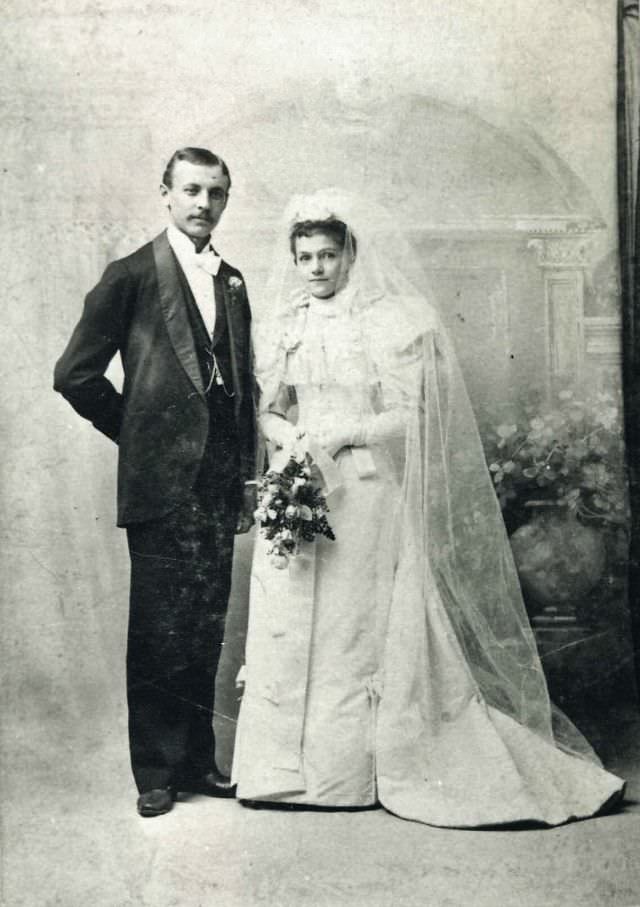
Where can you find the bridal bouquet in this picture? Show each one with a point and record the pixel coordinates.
(291, 509)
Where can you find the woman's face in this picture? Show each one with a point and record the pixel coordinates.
(322, 264)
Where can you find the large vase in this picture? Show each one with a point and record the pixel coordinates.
(559, 560)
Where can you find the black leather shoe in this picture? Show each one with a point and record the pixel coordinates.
(213, 784)
(156, 802)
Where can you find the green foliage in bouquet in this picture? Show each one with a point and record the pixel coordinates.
(568, 452)
(291, 509)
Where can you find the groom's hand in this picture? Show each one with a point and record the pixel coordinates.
(247, 507)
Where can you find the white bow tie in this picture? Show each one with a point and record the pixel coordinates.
(208, 261)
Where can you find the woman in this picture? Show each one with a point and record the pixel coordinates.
(396, 663)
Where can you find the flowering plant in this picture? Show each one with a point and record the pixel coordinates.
(569, 453)
(291, 509)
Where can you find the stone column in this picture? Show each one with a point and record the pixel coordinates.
(563, 255)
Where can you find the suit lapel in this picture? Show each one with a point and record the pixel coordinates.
(235, 336)
(174, 311)
(221, 309)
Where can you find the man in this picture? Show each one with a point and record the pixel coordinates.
(179, 317)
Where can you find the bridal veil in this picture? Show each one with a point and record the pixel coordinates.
(451, 549)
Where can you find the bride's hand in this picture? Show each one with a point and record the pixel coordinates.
(301, 442)
(278, 430)
(334, 438)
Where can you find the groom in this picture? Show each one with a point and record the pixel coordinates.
(179, 317)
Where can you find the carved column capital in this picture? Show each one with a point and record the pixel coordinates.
(565, 252)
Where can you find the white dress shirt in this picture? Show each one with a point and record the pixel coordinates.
(199, 279)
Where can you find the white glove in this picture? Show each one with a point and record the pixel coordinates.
(385, 426)
(278, 430)
(345, 433)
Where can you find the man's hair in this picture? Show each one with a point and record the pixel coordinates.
(200, 156)
(336, 229)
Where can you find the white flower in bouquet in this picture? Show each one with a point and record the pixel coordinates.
(291, 509)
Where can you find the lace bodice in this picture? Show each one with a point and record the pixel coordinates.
(331, 368)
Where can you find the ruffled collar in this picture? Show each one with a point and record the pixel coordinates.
(341, 303)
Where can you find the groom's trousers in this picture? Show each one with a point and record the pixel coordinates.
(180, 583)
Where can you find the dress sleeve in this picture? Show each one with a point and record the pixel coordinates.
(274, 424)
(396, 392)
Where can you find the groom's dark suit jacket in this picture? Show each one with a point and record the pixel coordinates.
(161, 419)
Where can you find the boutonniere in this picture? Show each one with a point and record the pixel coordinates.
(235, 286)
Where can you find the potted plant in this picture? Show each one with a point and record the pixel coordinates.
(559, 476)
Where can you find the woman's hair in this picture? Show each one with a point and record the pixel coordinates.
(332, 227)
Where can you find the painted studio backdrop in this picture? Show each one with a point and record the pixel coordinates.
(497, 155)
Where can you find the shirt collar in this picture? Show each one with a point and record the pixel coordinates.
(182, 245)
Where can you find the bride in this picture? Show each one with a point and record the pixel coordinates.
(394, 664)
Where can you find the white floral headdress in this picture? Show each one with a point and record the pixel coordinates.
(324, 204)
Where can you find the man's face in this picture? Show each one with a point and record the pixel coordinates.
(322, 264)
(196, 199)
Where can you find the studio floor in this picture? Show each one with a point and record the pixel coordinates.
(72, 838)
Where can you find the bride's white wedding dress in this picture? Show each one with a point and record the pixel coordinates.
(359, 686)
